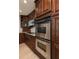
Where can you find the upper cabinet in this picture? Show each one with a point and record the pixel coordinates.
(39, 7)
(45, 6)
(24, 20)
(42, 6)
(56, 5)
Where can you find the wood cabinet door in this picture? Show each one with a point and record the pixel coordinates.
(40, 7)
(57, 30)
(57, 38)
(56, 5)
(37, 9)
(56, 43)
(46, 5)
(56, 53)
(21, 37)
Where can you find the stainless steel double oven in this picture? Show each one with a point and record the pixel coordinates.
(43, 34)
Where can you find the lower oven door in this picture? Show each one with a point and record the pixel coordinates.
(43, 48)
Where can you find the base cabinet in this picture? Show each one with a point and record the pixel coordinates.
(21, 38)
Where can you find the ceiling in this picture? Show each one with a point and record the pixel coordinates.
(25, 9)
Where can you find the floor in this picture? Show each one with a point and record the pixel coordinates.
(31, 43)
(26, 53)
(27, 49)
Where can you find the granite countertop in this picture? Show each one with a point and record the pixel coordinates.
(32, 33)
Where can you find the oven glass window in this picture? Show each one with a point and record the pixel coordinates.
(41, 29)
(41, 46)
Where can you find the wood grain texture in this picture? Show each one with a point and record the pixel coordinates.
(21, 38)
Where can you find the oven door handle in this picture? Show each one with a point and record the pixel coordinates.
(43, 39)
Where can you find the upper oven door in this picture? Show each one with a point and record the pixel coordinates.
(43, 30)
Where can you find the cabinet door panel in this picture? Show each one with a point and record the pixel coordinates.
(21, 38)
(57, 30)
(46, 5)
(57, 38)
(56, 53)
(42, 7)
(37, 8)
(53, 38)
(56, 5)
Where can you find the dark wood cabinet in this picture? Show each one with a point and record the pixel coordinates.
(24, 20)
(46, 5)
(57, 30)
(24, 23)
(56, 5)
(21, 38)
(39, 7)
(57, 38)
(42, 7)
(29, 37)
(56, 53)
(46, 8)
